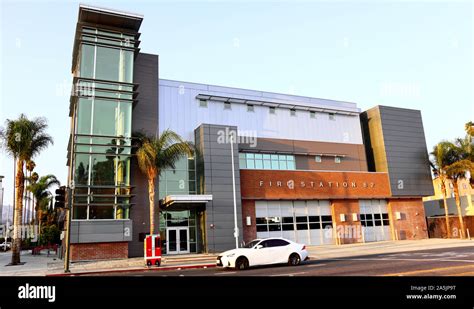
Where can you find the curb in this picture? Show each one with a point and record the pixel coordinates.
(143, 269)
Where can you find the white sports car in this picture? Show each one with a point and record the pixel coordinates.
(264, 252)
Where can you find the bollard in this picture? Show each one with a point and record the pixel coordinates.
(468, 235)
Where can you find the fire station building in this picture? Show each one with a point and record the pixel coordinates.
(312, 170)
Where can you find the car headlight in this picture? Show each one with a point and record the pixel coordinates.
(231, 255)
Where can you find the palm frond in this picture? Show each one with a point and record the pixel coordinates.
(146, 157)
(458, 170)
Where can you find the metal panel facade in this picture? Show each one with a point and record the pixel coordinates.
(396, 143)
(215, 177)
(94, 231)
(180, 110)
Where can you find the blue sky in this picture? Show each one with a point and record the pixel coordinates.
(401, 53)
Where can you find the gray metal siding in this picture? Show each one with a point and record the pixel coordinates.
(180, 111)
(435, 208)
(215, 175)
(94, 231)
(405, 147)
(144, 118)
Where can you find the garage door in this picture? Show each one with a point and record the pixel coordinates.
(306, 222)
(374, 220)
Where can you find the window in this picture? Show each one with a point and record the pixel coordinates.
(227, 105)
(272, 110)
(266, 161)
(180, 180)
(265, 244)
(101, 212)
(312, 114)
(84, 116)
(250, 108)
(337, 160)
(374, 219)
(292, 112)
(332, 116)
(277, 243)
(87, 61)
(79, 212)
(202, 103)
(318, 159)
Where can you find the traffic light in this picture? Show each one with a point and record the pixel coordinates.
(60, 198)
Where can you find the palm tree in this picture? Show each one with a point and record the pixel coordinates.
(443, 155)
(33, 179)
(456, 172)
(22, 139)
(155, 154)
(30, 166)
(469, 128)
(42, 194)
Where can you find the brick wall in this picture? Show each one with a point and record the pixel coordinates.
(99, 251)
(412, 224)
(292, 185)
(248, 209)
(437, 226)
(348, 231)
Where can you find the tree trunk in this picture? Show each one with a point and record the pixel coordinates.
(151, 196)
(458, 207)
(27, 200)
(446, 211)
(38, 221)
(17, 226)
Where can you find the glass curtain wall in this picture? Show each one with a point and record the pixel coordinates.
(103, 122)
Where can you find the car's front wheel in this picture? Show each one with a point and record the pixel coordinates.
(242, 263)
(294, 259)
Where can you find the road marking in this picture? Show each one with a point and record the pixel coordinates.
(315, 265)
(424, 271)
(226, 273)
(290, 275)
(393, 259)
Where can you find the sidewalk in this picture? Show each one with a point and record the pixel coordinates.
(42, 265)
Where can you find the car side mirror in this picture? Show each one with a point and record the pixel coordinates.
(259, 247)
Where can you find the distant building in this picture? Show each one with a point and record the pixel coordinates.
(434, 205)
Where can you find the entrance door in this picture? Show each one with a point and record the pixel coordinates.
(177, 240)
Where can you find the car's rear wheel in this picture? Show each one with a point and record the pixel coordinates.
(157, 263)
(242, 263)
(294, 259)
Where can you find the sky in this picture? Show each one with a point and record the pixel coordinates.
(411, 54)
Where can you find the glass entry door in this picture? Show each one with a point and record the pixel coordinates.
(177, 240)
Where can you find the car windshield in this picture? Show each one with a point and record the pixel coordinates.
(252, 243)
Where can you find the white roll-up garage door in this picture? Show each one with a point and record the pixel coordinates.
(374, 220)
(306, 222)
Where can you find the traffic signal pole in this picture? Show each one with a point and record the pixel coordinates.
(68, 230)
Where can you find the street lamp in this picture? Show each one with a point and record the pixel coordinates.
(236, 228)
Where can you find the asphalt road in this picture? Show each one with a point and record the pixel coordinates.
(439, 262)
